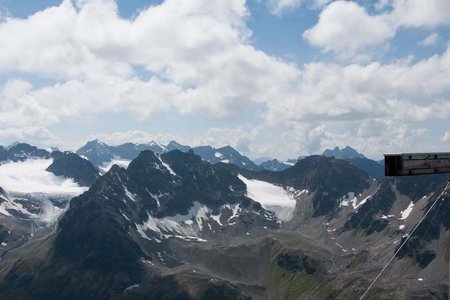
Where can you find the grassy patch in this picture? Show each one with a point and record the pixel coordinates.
(285, 284)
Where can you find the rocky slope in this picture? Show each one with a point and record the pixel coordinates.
(70, 165)
(274, 165)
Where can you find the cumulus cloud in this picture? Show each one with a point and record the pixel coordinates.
(277, 7)
(196, 58)
(198, 51)
(347, 27)
(372, 137)
(382, 4)
(418, 13)
(32, 134)
(402, 90)
(243, 139)
(430, 40)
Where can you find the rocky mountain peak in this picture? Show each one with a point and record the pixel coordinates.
(345, 153)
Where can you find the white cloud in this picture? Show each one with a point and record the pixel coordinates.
(430, 40)
(317, 4)
(30, 176)
(334, 92)
(372, 137)
(195, 48)
(200, 61)
(446, 137)
(382, 4)
(278, 7)
(346, 27)
(418, 13)
(26, 133)
(243, 139)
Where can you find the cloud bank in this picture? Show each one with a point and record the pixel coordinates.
(30, 176)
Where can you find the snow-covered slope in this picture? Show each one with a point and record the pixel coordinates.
(115, 161)
(271, 197)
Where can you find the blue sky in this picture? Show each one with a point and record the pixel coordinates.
(278, 78)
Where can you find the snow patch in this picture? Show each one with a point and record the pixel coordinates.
(349, 199)
(115, 161)
(188, 226)
(218, 155)
(271, 197)
(129, 194)
(296, 193)
(405, 214)
(166, 166)
(50, 213)
(217, 219)
(235, 210)
(342, 248)
(361, 203)
(156, 197)
(157, 144)
(131, 287)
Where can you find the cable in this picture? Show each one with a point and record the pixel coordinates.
(407, 238)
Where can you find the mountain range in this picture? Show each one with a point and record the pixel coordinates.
(184, 224)
(371, 167)
(102, 155)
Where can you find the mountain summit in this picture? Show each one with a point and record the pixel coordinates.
(344, 153)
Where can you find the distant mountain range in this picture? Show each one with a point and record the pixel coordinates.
(344, 153)
(103, 156)
(21, 152)
(275, 165)
(100, 154)
(371, 167)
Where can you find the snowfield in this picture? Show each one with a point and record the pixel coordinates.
(271, 197)
(189, 226)
(30, 176)
(405, 214)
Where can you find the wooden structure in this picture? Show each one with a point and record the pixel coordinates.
(407, 164)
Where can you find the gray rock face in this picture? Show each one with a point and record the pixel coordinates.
(344, 153)
(70, 165)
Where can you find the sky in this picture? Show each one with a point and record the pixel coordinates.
(278, 78)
